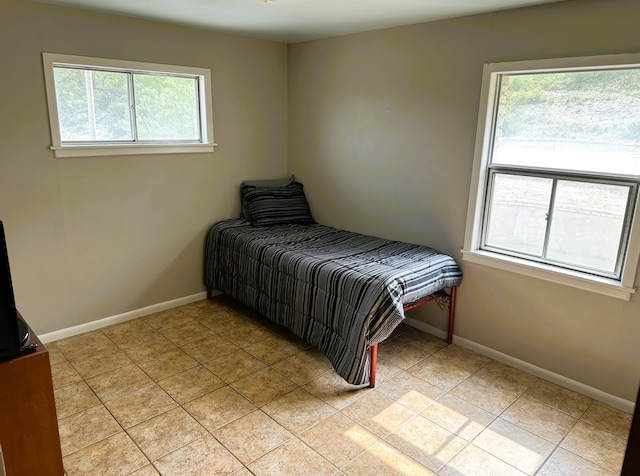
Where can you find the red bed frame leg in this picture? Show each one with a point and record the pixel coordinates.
(374, 361)
(452, 314)
(209, 293)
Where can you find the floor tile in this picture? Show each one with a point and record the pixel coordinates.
(85, 428)
(129, 331)
(565, 463)
(293, 457)
(64, 374)
(114, 456)
(245, 333)
(486, 395)
(218, 408)
(190, 384)
(167, 364)
(264, 386)
(401, 355)
(596, 445)
(166, 319)
(55, 354)
(468, 359)
(272, 349)
(100, 361)
(201, 309)
(252, 436)
(410, 391)
(339, 439)
(74, 398)
(203, 457)
(235, 365)
(458, 416)
(147, 470)
(608, 418)
(140, 405)
(441, 373)
(117, 382)
(298, 410)
(242, 472)
(506, 376)
(385, 371)
(165, 433)
(209, 348)
(183, 333)
(83, 345)
(221, 320)
(429, 444)
(334, 390)
(515, 446)
(559, 397)
(304, 366)
(384, 459)
(472, 461)
(413, 337)
(540, 419)
(146, 348)
(377, 413)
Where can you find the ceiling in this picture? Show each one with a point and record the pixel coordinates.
(292, 21)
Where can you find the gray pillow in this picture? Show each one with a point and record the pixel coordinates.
(268, 206)
(283, 182)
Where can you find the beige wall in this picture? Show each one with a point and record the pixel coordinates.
(381, 131)
(95, 237)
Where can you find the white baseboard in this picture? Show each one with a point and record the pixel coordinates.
(118, 318)
(596, 394)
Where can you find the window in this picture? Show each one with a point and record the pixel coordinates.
(109, 107)
(557, 171)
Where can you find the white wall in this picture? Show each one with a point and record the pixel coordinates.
(95, 237)
(381, 131)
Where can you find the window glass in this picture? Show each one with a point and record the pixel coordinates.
(517, 211)
(588, 224)
(166, 107)
(92, 105)
(573, 120)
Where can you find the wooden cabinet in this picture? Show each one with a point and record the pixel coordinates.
(631, 463)
(28, 422)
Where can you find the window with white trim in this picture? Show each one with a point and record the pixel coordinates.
(557, 171)
(103, 106)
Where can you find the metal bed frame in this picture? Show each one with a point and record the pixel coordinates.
(442, 295)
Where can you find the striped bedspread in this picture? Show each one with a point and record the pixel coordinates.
(338, 290)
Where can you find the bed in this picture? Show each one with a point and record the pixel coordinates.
(342, 292)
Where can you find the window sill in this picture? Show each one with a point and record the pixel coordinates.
(586, 282)
(129, 149)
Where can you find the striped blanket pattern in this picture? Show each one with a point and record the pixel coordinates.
(338, 290)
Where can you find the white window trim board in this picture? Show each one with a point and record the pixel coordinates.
(622, 289)
(61, 150)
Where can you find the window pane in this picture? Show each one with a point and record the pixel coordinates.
(166, 108)
(517, 213)
(583, 121)
(588, 221)
(92, 105)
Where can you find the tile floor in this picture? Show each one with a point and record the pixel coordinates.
(211, 388)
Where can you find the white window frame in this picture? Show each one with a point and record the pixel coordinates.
(61, 149)
(622, 288)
